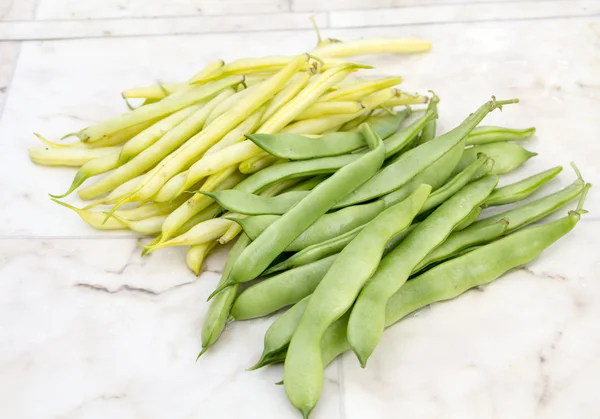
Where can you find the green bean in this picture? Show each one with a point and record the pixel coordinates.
(535, 210)
(507, 156)
(490, 134)
(316, 252)
(460, 240)
(279, 235)
(279, 334)
(145, 160)
(387, 125)
(446, 281)
(71, 157)
(480, 167)
(368, 315)
(308, 184)
(411, 163)
(281, 290)
(303, 371)
(470, 219)
(218, 311)
(522, 189)
(250, 204)
(149, 136)
(299, 147)
(429, 130)
(168, 105)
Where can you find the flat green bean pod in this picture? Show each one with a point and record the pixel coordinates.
(280, 291)
(446, 281)
(334, 295)
(429, 130)
(218, 311)
(507, 156)
(250, 204)
(521, 189)
(480, 167)
(470, 219)
(308, 184)
(491, 134)
(460, 240)
(534, 210)
(368, 315)
(411, 163)
(279, 235)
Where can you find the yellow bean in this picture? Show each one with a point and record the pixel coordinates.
(196, 255)
(68, 156)
(95, 219)
(321, 109)
(372, 46)
(359, 90)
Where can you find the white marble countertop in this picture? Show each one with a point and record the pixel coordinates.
(89, 329)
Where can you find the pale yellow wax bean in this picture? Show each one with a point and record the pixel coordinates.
(95, 219)
(372, 46)
(258, 163)
(222, 107)
(167, 106)
(208, 71)
(261, 64)
(148, 137)
(150, 210)
(169, 143)
(225, 179)
(238, 133)
(320, 125)
(68, 156)
(205, 231)
(406, 99)
(119, 192)
(123, 135)
(197, 145)
(360, 89)
(330, 108)
(294, 86)
(147, 226)
(152, 92)
(196, 255)
(281, 118)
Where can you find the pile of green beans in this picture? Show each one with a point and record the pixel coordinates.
(350, 210)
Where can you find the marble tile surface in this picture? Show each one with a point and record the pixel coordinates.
(89, 329)
(317, 5)
(17, 9)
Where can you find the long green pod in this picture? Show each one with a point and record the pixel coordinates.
(411, 163)
(334, 295)
(430, 129)
(368, 314)
(279, 291)
(507, 156)
(218, 311)
(460, 240)
(469, 219)
(492, 134)
(308, 184)
(534, 210)
(386, 125)
(480, 167)
(316, 251)
(279, 235)
(251, 204)
(521, 189)
(168, 105)
(446, 281)
(406, 136)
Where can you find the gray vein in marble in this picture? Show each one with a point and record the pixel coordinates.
(129, 289)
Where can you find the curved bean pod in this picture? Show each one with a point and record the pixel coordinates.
(507, 156)
(68, 156)
(491, 134)
(368, 315)
(409, 164)
(250, 204)
(279, 235)
(303, 371)
(430, 129)
(521, 189)
(280, 291)
(469, 219)
(196, 255)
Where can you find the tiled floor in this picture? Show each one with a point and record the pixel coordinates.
(89, 329)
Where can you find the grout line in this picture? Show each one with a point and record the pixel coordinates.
(455, 22)
(11, 78)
